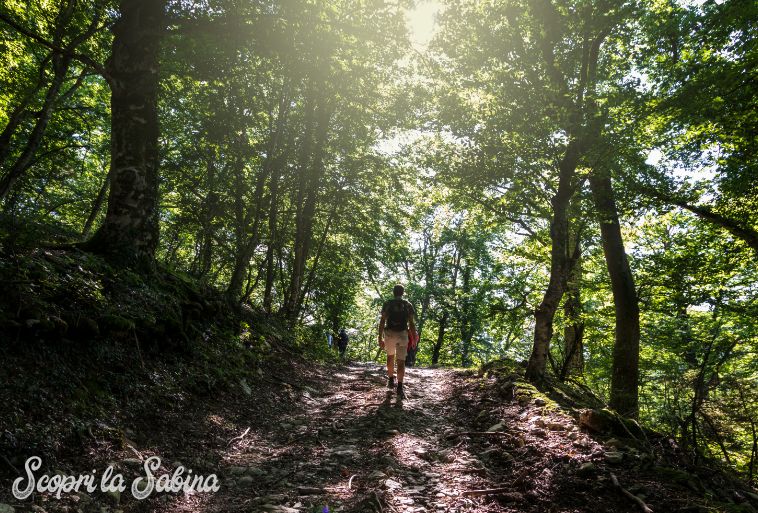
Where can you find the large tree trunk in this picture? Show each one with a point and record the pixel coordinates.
(583, 127)
(129, 234)
(301, 223)
(626, 350)
(559, 262)
(573, 332)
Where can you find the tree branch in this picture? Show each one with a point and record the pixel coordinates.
(84, 59)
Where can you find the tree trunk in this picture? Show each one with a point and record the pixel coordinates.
(248, 243)
(428, 256)
(440, 338)
(545, 312)
(96, 206)
(272, 241)
(313, 169)
(465, 315)
(626, 350)
(319, 249)
(573, 333)
(61, 66)
(20, 112)
(207, 217)
(129, 234)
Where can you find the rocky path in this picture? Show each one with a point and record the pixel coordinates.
(453, 445)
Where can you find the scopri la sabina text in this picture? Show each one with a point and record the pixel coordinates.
(181, 480)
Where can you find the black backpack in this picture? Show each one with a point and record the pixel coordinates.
(397, 315)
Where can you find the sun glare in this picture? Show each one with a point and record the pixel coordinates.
(422, 21)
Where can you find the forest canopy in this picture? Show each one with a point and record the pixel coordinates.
(568, 183)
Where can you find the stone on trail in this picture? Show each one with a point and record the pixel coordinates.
(555, 426)
(377, 474)
(392, 484)
(245, 481)
(539, 402)
(618, 444)
(497, 427)
(587, 469)
(245, 387)
(614, 457)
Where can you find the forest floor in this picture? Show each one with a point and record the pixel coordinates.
(353, 445)
(309, 436)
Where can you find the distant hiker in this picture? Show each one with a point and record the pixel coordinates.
(342, 340)
(329, 340)
(397, 316)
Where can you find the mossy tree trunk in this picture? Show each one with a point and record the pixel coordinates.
(129, 234)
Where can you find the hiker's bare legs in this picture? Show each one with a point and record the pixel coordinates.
(391, 366)
(400, 370)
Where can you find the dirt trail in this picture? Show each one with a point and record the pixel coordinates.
(352, 446)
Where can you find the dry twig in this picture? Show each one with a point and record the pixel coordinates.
(238, 438)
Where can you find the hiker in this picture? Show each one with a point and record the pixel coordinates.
(342, 340)
(397, 316)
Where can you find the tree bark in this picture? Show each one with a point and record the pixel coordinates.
(129, 234)
(545, 312)
(440, 338)
(96, 206)
(207, 216)
(248, 243)
(582, 127)
(20, 112)
(61, 59)
(61, 65)
(312, 169)
(272, 241)
(626, 350)
(573, 333)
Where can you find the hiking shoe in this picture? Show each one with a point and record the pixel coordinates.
(400, 391)
(391, 382)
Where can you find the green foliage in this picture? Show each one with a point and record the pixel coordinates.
(312, 155)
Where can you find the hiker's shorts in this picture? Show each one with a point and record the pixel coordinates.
(396, 343)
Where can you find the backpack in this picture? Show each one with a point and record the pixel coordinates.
(397, 315)
(412, 340)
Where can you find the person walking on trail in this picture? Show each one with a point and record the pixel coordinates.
(342, 340)
(398, 316)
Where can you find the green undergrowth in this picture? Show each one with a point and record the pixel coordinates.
(87, 346)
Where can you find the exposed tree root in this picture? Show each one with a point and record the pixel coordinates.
(644, 507)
